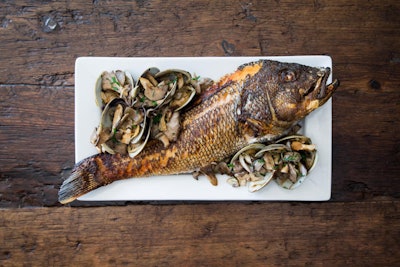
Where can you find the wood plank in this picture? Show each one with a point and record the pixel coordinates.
(37, 137)
(365, 143)
(234, 234)
(34, 54)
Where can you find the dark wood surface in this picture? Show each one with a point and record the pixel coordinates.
(359, 226)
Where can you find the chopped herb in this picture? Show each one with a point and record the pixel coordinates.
(230, 165)
(303, 156)
(196, 78)
(114, 80)
(288, 158)
(115, 88)
(113, 138)
(157, 118)
(142, 99)
(154, 103)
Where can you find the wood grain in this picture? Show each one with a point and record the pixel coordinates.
(36, 87)
(196, 28)
(234, 234)
(39, 43)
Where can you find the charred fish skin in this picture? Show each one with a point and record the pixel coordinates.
(260, 101)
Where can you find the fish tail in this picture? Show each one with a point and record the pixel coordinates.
(103, 169)
(74, 187)
(91, 173)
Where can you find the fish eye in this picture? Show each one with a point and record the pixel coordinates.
(288, 75)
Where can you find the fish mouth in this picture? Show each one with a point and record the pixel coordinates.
(320, 90)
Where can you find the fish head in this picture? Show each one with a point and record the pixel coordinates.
(279, 94)
(295, 90)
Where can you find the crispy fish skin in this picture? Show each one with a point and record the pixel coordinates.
(260, 101)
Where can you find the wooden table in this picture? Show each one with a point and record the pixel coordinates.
(39, 43)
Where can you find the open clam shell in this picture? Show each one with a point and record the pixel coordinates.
(259, 184)
(256, 146)
(171, 87)
(135, 148)
(152, 92)
(304, 145)
(182, 97)
(120, 127)
(114, 84)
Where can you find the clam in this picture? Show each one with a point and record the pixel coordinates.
(305, 147)
(152, 92)
(259, 184)
(180, 76)
(287, 161)
(159, 88)
(120, 127)
(163, 94)
(249, 147)
(182, 97)
(114, 84)
(135, 148)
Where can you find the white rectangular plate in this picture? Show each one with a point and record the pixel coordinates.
(318, 126)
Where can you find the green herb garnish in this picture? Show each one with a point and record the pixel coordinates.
(114, 80)
(113, 138)
(157, 118)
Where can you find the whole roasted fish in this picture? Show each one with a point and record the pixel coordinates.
(260, 101)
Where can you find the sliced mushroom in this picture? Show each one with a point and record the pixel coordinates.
(154, 92)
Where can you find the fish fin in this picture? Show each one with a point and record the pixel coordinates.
(259, 125)
(260, 128)
(209, 92)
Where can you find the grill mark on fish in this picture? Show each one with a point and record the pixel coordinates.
(250, 105)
